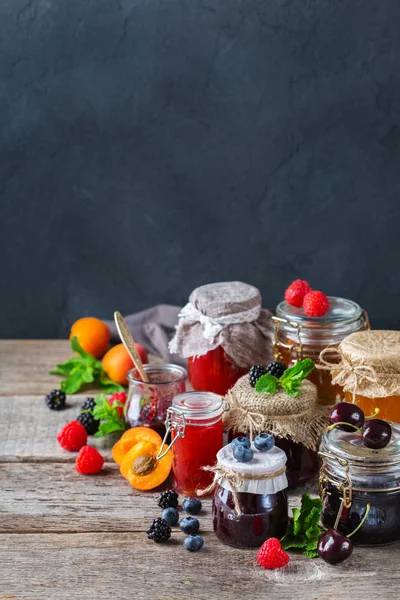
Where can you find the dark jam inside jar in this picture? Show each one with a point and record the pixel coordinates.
(302, 463)
(382, 525)
(263, 516)
(213, 372)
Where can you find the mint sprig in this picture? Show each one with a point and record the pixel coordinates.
(110, 420)
(303, 530)
(290, 380)
(83, 369)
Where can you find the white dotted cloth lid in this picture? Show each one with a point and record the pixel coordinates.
(263, 462)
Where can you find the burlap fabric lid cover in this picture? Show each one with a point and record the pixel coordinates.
(370, 364)
(226, 314)
(299, 419)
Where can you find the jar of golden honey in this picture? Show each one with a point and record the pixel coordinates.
(298, 336)
(369, 372)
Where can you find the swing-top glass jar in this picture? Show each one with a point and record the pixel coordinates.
(195, 422)
(250, 503)
(353, 475)
(298, 336)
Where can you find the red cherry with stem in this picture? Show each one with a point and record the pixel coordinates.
(334, 547)
(346, 416)
(376, 434)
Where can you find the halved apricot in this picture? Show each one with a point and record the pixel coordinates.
(130, 438)
(141, 468)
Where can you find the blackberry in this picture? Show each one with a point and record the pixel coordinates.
(255, 373)
(89, 422)
(167, 499)
(89, 404)
(159, 530)
(55, 400)
(276, 368)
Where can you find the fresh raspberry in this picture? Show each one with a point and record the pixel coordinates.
(118, 397)
(271, 555)
(72, 436)
(89, 461)
(296, 291)
(315, 304)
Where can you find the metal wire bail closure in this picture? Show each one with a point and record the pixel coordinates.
(276, 344)
(345, 487)
(171, 425)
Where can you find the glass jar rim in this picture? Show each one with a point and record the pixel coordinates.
(342, 312)
(181, 373)
(347, 447)
(197, 405)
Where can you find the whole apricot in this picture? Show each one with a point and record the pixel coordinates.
(117, 363)
(93, 335)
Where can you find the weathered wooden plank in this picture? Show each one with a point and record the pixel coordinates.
(54, 498)
(28, 429)
(25, 366)
(124, 565)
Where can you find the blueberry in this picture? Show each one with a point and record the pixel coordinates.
(243, 454)
(170, 515)
(193, 543)
(240, 441)
(264, 442)
(189, 525)
(191, 506)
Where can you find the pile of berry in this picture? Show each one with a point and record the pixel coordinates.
(160, 528)
(300, 294)
(275, 368)
(241, 446)
(74, 435)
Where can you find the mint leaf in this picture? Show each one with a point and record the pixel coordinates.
(290, 541)
(299, 371)
(267, 383)
(308, 503)
(304, 531)
(73, 383)
(311, 553)
(297, 525)
(109, 386)
(109, 418)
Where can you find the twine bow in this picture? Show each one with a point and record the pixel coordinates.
(254, 420)
(235, 481)
(347, 373)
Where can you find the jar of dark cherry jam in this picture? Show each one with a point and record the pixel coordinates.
(353, 475)
(298, 336)
(248, 510)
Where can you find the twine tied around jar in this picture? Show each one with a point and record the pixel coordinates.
(346, 373)
(235, 481)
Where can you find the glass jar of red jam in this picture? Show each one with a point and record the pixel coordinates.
(298, 336)
(147, 403)
(222, 331)
(262, 503)
(195, 421)
(353, 475)
(215, 371)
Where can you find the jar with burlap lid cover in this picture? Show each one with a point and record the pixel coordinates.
(223, 331)
(297, 423)
(368, 371)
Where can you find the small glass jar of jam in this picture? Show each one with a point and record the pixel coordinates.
(223, 331)
(147, 403)
(247, 509)
(298, 336)
(369, 372)
(195, 422)
(353, 475)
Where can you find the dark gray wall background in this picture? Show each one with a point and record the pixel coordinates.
(149, 146)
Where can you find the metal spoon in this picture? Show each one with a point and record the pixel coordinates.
(129, 343)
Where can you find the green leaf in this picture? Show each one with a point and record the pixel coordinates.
(72, 384)
(109, 418)
(293, 542)
(299, 371)
(297, 524)
(267, 383)
(311, 553)
(109, 386)
(107, 428)
(303, 531)
(308, 503)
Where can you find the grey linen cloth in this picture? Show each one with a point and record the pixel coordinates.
(153, 328)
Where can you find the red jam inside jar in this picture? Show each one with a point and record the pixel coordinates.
(198, 418)
(147, 403)
(214, 371)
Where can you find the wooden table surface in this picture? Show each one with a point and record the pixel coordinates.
(67, 536)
